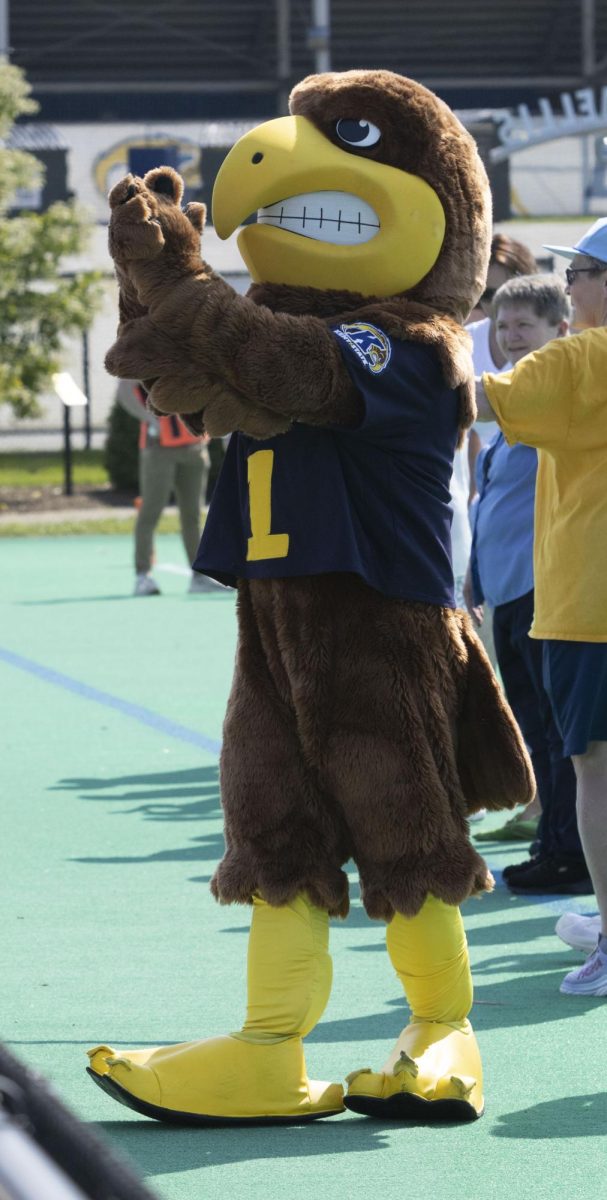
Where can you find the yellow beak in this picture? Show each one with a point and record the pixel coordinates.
(289, 157)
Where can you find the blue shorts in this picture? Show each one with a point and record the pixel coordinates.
(575, 677)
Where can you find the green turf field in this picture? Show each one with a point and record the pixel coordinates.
(111, 721)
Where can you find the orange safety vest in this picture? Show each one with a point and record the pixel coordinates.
(172, 431)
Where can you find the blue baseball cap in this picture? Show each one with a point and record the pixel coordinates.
(593, 243)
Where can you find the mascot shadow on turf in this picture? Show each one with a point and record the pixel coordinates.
(364, 720)
(168, 796)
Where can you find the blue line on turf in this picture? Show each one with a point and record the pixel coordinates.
(171, 729)
(137, 712)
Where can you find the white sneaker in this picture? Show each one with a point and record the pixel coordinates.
(590, 979)
(145, 585)
(578, 932)
(202, 583)
(477, 816)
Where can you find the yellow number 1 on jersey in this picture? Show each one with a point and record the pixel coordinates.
(263, 544)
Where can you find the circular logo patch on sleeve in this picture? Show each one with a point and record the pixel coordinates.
(369, 343)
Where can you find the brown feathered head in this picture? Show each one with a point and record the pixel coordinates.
(371, 185)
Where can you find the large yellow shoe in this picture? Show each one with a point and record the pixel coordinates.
(218, 1081)
(433, 1073)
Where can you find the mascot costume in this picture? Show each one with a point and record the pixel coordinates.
(364, 719)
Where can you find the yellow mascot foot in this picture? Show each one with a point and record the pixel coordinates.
(221, 1080)
(433, 1074)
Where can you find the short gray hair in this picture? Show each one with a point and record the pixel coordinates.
(545, 294)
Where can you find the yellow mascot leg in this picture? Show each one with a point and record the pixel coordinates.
(434, 1070)
(257, 1074)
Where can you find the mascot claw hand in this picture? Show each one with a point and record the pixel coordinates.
(174, 297)
(364, 720)
(137, 241)
(135, 231)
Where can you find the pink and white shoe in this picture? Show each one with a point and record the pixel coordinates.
(589, 979)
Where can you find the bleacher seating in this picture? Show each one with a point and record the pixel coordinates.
(464, 50)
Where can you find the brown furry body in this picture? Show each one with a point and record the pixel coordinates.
(358, 725)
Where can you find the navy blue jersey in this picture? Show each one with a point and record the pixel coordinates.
(374, 500)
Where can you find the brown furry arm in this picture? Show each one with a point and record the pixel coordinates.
(246, 367)
(214, 408)
(268, 365)
(250, 368)
(129, 304)
(130, 309)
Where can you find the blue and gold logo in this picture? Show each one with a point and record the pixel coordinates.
(112, 164)
(369, 343)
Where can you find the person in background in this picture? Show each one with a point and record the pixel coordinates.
(171, 459)
(556, 400)
(508, 258)
(585, 276)
(529, 311)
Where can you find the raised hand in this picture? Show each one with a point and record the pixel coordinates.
(135, 232)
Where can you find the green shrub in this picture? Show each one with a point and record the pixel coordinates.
(121, 454)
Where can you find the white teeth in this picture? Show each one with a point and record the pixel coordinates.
(335, 217)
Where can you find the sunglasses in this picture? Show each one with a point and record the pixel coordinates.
(571, 273)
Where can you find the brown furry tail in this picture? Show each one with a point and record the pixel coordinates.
(493, 763)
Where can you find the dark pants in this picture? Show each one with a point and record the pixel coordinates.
(520, 662)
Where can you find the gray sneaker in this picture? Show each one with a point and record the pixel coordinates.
(579, 932)
(145, 585)
(590, 979)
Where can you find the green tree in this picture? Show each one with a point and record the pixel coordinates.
(38, 307)
(121, 453)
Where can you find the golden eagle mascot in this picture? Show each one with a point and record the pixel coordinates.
(364, 721)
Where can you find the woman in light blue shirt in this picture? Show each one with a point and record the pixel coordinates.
(529, 311)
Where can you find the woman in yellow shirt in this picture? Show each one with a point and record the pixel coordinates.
(556, 400)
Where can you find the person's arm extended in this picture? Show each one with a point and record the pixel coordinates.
(127, 398)
(474, 447)
(534, 402)
(484, 409)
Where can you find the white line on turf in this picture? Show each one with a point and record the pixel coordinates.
(172, 568)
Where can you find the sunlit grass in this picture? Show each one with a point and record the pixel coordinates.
(45, 468)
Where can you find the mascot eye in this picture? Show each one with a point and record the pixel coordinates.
(357, 133)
